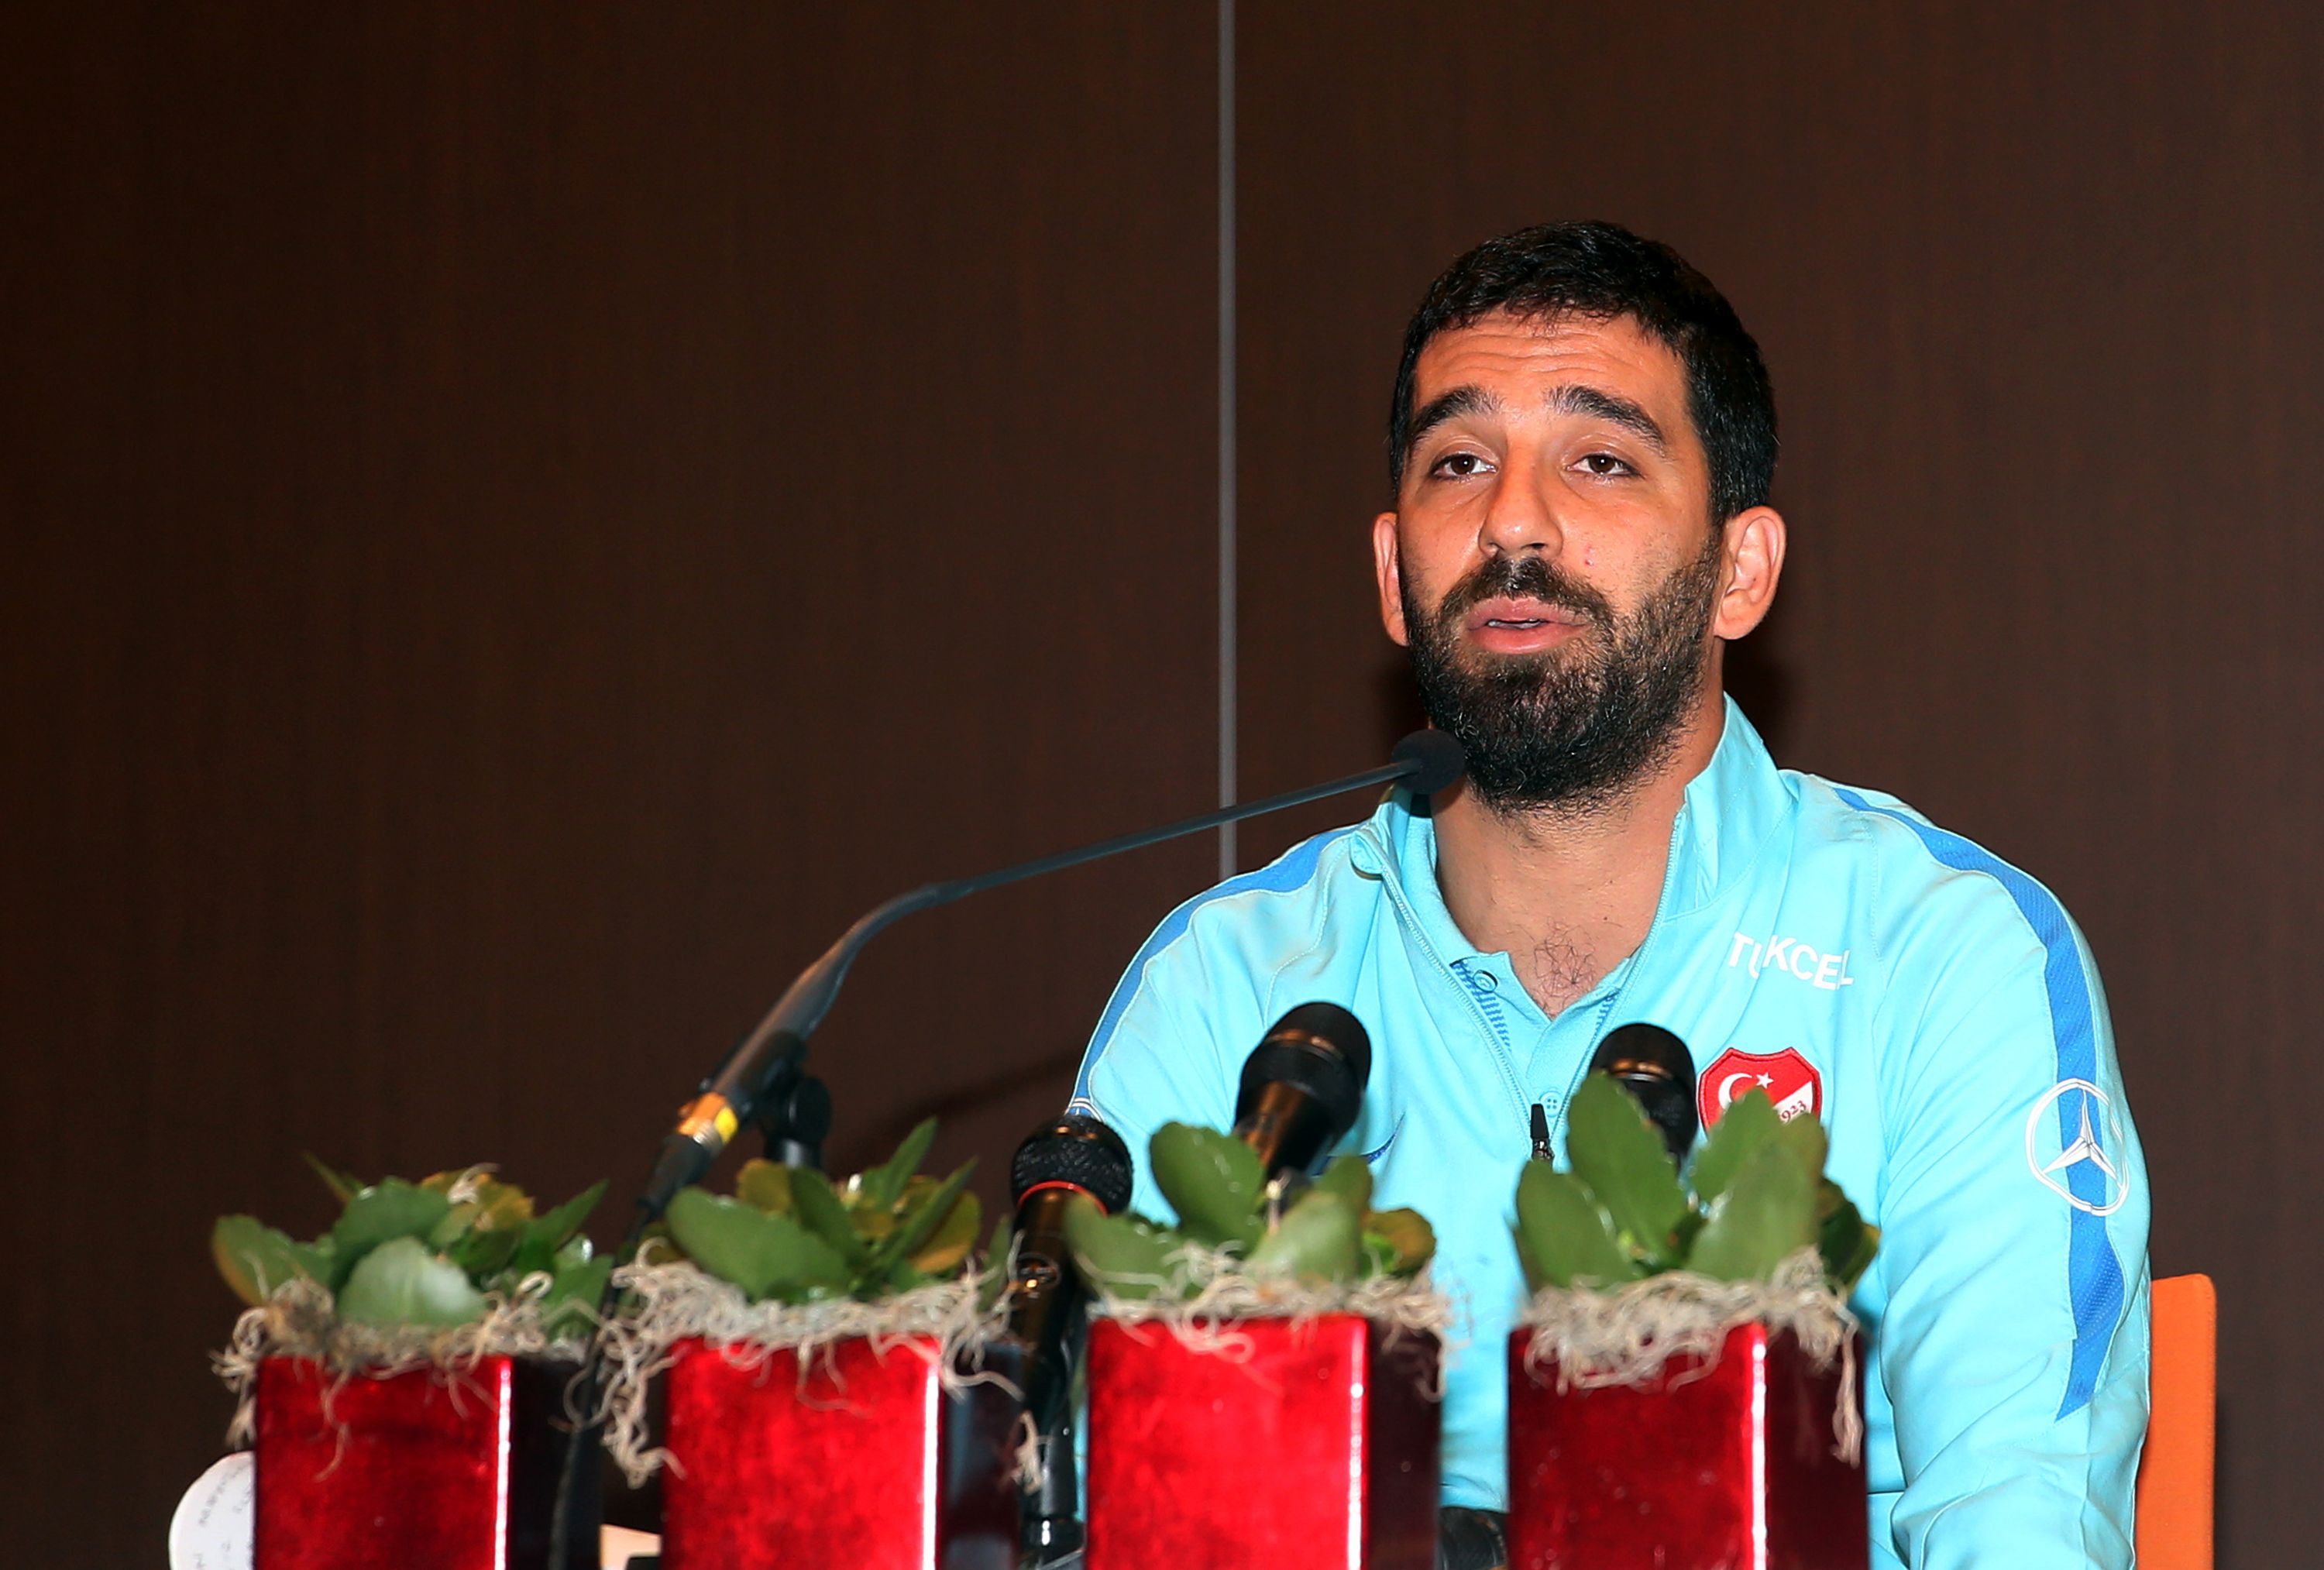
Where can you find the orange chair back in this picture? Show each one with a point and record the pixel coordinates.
(2174, 1471)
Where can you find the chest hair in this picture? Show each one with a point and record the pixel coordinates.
(1562, 967)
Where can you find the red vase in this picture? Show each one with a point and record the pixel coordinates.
(866, 1464)
(1308, 1443)
(1729, 1468)
(456, 1471)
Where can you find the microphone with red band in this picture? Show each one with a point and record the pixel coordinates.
(1075, 1156)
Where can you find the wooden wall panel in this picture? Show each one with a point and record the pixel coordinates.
(520, 523)
(2037, 286)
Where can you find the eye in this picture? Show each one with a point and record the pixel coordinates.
(1458, 466)
(1603, 465)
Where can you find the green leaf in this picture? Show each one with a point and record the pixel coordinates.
(573, 1293)
(1213, 1180)
(1407, 1234)
(1803, 1136)
(391, 1209)
(1127, 1256)
(543, 1235)
(818, 1206)
(1319, 1239)
(343, 1186)
(1765, 1216)
(482, 1253)
(996, 1258)
(885, 1182)
(1564, 1237)
(765, 1255)
(255, 1258)
(925, 1219)
(1848, 1245)
(945, 1247)
(764, 1184)
(1351, 1178)
(399, 1282)
(1621, 1156)
(1749, 1122)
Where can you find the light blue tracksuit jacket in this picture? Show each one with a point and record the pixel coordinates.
(1932, 1004)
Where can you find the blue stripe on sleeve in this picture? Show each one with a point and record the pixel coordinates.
(2093, 1274)
(1289, 872)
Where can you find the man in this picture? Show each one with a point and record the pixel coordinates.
(1582, 442)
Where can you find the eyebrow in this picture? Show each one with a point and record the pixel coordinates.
(1573, 398)
(1596, 402)
(1445, 406)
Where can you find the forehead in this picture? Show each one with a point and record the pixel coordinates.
(1520, 360)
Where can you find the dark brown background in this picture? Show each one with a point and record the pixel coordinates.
(520, 523)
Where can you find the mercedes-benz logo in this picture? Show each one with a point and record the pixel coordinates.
(2085, 1146)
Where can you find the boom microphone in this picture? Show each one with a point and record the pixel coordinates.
(1076, 1155)
(767, 1065)
(1302, 1086)
(1655, 1066)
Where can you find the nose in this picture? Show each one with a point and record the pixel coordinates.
(1520, 518)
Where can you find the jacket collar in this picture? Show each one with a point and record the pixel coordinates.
(1732, 808)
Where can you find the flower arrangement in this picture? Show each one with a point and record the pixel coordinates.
(1634, 1264)
(1242, 1243)
(431, 1254)
(1755, 1196)
(793, 1263)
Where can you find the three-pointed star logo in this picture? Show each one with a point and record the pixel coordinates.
(2086, 1146)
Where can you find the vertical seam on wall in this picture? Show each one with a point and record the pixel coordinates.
(1228, 571)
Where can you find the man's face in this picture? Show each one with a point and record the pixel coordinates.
(1550, 562)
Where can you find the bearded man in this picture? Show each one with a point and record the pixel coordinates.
(1581, 441)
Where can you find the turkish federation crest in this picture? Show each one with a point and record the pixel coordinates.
(1790, 1081)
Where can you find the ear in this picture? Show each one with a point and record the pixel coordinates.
(1388, 568)
(1754, 550)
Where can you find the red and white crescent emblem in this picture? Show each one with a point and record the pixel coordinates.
(1789, 1079)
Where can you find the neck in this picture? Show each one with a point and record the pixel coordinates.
(1569, 894)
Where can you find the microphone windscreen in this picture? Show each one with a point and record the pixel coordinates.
(1079, 1151)
(1436, 760)
(1334, 1029)
(1655, 1066)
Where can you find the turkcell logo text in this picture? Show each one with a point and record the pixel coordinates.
(1827, 972)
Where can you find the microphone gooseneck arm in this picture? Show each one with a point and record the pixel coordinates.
(770, 1061)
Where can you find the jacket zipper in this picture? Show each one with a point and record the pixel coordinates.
(1638, 960)
(1492, 1039)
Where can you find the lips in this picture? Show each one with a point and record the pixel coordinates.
(1509, 612)
(1520, 624)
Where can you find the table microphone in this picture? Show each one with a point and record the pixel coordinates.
(1077, 1155)
(1302, 1086)
(1655, 1066)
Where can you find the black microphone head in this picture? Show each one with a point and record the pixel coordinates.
(1436, 760)
(1078, 1151)
(1323, 1050)
(1655, 1066)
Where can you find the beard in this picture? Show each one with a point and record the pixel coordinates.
(1574, 728)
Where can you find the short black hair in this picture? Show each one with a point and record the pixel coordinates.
(1601, 271)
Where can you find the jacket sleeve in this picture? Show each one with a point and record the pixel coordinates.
(1164, 1050)
(2013, 1340)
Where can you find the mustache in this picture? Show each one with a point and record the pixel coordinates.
(1526, 577)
